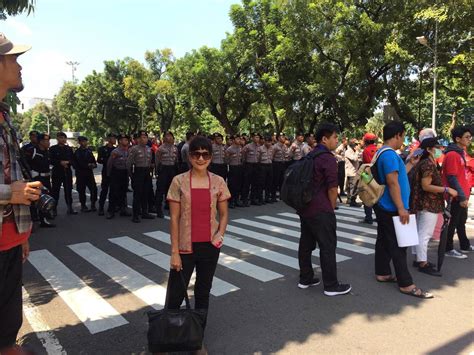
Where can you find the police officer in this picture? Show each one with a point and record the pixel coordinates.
(250, 159)
(233, 155)
(84, 163)
(265, 157)
(102, 158)
(138, 166)
(118, 175)
(184, 153)
(39, 164)
(296, 149)
(27, 149)
(280, 158)
(218, 165)
(61, 156)
(309, 144)
(166, 168)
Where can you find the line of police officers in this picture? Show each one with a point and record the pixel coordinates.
(254, 171)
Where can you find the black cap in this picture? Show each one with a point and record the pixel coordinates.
(429, 143)
(82, 139)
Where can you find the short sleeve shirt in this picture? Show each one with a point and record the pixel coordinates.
(423, 200)
(454, 164)
(387, 163)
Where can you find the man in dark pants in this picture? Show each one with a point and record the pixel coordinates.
(15, 196)
(218, 165)
(84, 163)
(318, 220)
(455, 176)
(280, 152)
(61, 156)
(166, 161)
(118, 175)
(39, 164)
(250, 184)
(102, 158)
(138, 166)
(265, 157)
(394, 202)
(234, 180)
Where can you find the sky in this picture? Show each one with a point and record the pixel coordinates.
(90, 32)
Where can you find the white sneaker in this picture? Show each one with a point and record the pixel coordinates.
(455, 254)
(469, 250)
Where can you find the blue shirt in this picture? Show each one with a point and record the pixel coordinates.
(387, 163)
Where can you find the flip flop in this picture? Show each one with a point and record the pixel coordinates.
(391, 279)
(422, 294)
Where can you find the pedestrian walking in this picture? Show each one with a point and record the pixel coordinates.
(84, 164)
(166, 168)
(102, 158)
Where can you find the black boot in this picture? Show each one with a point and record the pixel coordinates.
(101, 210)
(45, 224)
(70, 210)
(136, 219)
(232, 204)
(239, 203)
(93, 208)
(147, 216)
(124, 212)
(85, 209)
(110, 215)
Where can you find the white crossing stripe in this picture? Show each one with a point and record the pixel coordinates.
(96, 314)
(228, 261)
(143, 288)
(219, 287)
(42, 330)
(276, 241)
(338, 216)
(245, 247)
(297, 224)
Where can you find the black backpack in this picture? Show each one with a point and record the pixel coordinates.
(297, 187)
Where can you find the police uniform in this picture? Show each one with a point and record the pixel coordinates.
(138, 166)
(280, 158)
(296, 151)
(166, 169)
(102, 158)
(265, 156)
(118, 175)
(218, 164)
(233, 156)
(84, 163)
(62, 175)
(250, 178)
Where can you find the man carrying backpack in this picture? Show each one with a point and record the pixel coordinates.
(318, 220)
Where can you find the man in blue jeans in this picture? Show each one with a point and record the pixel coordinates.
(394, 202)
(318, 220)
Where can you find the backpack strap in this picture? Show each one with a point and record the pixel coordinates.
(378, 154)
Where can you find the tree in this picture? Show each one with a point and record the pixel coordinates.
(15, 7)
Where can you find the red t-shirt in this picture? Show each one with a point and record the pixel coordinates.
(368, 153)
(200, 215)
(455, 165)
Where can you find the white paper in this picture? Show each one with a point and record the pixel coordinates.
(407, 234)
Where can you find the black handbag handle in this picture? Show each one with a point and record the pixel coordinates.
(183, 282)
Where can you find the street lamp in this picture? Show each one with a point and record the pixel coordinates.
(424, 42)
(73, 69)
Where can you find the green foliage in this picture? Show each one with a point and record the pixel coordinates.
(16, 7)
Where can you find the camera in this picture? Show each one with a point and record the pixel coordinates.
(46, 204)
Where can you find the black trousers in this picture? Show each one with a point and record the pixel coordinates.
(118, 189)
(457, 224)
(266, 181)
(62, 177)
(163, 182)
(219, 169)
(279, 168)
(204, 258)
(368, 214)
(320, 229)
(104, 188)
(140, 184)
(11, 305)
(250, 184)
(341, 175)
(234, 180)
(387, 249)
(85, 178)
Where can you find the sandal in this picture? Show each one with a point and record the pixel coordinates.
(429, 269)
(391, 279)
(415, 293)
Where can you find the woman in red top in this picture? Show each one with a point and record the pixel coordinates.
(195, 197)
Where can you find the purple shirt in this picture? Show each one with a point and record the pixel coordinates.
(324, 178)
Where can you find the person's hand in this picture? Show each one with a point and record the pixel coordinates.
(464, 204)
(23, 193)
(452, 192)
(404, 216)
(175, 262)
(25, 251)
(217, 240)
(64, 163)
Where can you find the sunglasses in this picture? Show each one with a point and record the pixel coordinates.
(197, 155)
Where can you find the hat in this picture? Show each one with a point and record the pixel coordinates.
(217, 135)
(8, 48)
(42, 136)
(426, 133)
(268, 138)
(429, 143)
(369, 137)
(82, 139)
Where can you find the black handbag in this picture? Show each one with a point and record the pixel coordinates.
(176, 329)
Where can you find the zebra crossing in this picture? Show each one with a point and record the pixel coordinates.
(262, 248)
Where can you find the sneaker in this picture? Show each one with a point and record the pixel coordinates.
(455, 254)
(314, 282)
(469, 250)
(340, 289)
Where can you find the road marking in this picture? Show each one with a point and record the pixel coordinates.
(219, 287)
(276, 241)
(96, 314)
(40, 327)
(143, 288)
(338, 216)
(225, 260)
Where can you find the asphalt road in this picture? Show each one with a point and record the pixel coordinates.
(89, 282)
